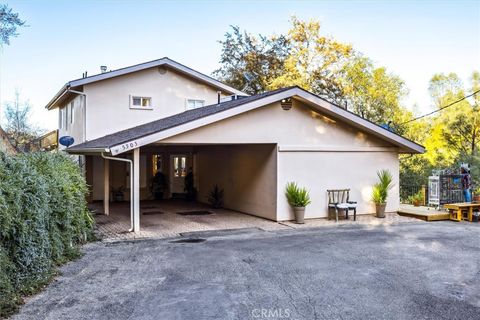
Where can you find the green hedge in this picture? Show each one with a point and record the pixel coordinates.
(43, 216)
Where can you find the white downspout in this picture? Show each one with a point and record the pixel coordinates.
(131, 185)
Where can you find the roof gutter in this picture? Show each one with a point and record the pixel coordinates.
(57, 97)
(89, 151)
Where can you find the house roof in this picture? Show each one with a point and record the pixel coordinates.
(141, 135)
(167, 62)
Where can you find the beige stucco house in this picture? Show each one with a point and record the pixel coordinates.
(163, 116)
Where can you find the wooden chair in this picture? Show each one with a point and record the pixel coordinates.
(339, 199)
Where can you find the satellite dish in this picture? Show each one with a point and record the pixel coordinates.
(66, 141)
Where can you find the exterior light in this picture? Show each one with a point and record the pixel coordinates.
(286, 103)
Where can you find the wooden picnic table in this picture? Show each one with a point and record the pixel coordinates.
(457, 208)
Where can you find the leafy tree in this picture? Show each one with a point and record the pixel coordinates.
(250, 62)
(372, 92)
(9, 23)
(18, 128)
(314, 61)
(307, 58)
(451, 136)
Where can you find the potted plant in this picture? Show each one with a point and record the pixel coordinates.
(189, 186)
(117, 193)
(215, 197)
(298, 198)
(417, 199)
(380, 192)
(476, 195)
(159, 185)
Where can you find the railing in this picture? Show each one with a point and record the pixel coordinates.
(408, 190)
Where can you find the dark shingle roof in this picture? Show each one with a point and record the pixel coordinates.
(146, 129)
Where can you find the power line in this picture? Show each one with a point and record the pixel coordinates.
(440, 109)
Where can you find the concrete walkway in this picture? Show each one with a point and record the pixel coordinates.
(162, 220)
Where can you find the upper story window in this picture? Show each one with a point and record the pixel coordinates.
(138, 102)
(61, 118)
(193, 104)
(72, 112)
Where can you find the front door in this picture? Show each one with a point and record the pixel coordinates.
(178, 171)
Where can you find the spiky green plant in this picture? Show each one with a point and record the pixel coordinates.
(381, 188)
(296, 196)
(215, 197)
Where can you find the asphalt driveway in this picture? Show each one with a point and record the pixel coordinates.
(405, 271)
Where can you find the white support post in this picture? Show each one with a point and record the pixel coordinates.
(106, 187)
(136, 190)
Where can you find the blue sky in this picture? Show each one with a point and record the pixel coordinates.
(413, 39)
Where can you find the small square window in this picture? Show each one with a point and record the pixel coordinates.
(194, 104)
(137, 101)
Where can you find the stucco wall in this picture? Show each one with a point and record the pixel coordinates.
(328, 154)
(320, 171)
(75, 129)
(272, 124)
(108, 101)
(247, 173)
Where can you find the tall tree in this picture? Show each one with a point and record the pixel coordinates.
(19, 129)
(315, 62)
(250, 62)
(451, 136)
(9, 24)
(373, 92)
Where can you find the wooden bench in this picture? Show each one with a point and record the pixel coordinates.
(456, 210)
(339, 199)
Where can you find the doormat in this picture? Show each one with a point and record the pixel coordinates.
(194, 213)
(147, 213)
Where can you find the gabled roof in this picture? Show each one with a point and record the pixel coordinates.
(142, 66)
(142, 135)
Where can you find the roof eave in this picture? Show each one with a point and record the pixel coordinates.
(157, 63)
(87, 151)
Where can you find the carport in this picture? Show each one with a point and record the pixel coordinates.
(246, 173)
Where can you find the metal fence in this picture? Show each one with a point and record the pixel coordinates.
(445, 189)
(409, 190)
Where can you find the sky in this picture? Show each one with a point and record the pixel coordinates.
(412, 39)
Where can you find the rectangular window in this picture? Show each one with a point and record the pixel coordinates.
(65, 117)
(72, 111)
(157, 163)
(141, 102)
(60, 118)
(194, 104)
(179, 166)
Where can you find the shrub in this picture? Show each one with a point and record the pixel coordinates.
(416, 197)
(296, 196)
(43, 217)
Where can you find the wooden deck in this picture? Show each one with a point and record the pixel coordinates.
(423, 213)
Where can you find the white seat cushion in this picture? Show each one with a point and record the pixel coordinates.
(343, 205)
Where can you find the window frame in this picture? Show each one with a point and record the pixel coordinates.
(65, 117)
(195, 101)
(72, 112)
(142, 98)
